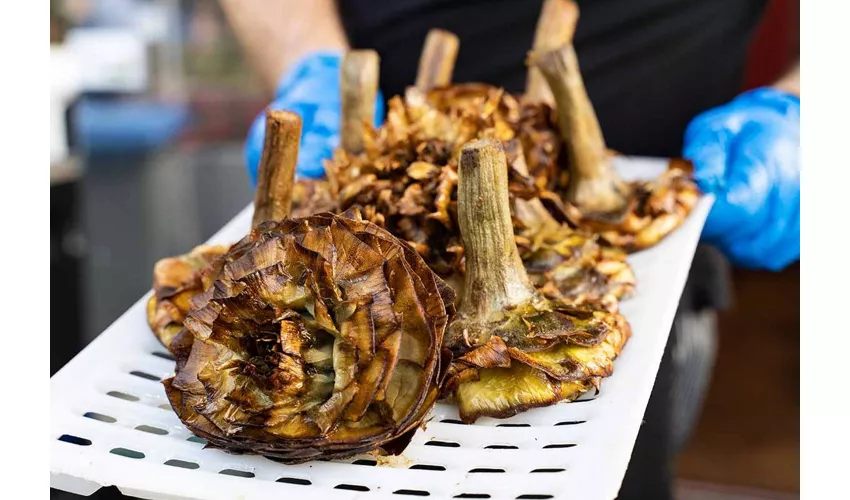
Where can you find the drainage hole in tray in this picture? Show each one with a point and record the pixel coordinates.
(352, 487)
(295, 480)
(415, 493)
(122, 395)
(364, 461)
(427, 467)
(547, 471)
(75, 440)
(451, 421)
(124, 452)
(164, 406)
(501, 447)
(534, 497)
(163, 355)
(558, 445)
(472, 495)
(196, 439)
(513, 425)
(145, 375)
(236, 473)
(442, 444)
(100, 416)
(572, 422)
(182, 464)
(485, 470)
(152, 430)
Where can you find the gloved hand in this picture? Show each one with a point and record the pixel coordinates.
(311, 89)
(747, 153)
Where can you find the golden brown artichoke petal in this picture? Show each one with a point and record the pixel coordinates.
(504, 392)
(569, 362)
(647, 211)
(535, 378)
(176, 280)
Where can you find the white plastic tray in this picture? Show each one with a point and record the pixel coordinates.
(111, 423)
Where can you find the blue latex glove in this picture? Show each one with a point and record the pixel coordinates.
(311, 89)
(747, 153)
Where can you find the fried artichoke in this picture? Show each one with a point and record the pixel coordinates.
(405, 180)
(320, 338)
(312, 337)
(631, 216)
(514, 348)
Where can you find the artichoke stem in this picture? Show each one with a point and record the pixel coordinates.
(495, 276)
(276, 174)
(555, 27)
(437, 62)
(595, 188)
(359, 91)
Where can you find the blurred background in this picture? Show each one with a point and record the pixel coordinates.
(150, 103)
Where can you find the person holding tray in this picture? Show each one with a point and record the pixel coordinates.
(664, 78)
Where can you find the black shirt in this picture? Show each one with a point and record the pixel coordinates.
(649, 65)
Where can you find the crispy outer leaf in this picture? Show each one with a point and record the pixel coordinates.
(175, 281)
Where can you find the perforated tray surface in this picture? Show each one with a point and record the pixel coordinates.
(111, 423)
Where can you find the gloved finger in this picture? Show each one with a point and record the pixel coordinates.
(743, 202)
(706, 146)
(710, 135)
(774, 247)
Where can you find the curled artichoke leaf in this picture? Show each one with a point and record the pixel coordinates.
(176, 281)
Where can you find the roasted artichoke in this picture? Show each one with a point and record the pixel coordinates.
(631, 216)
(320, 338)
(314, 337)
(514, 348)
(405, 180)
